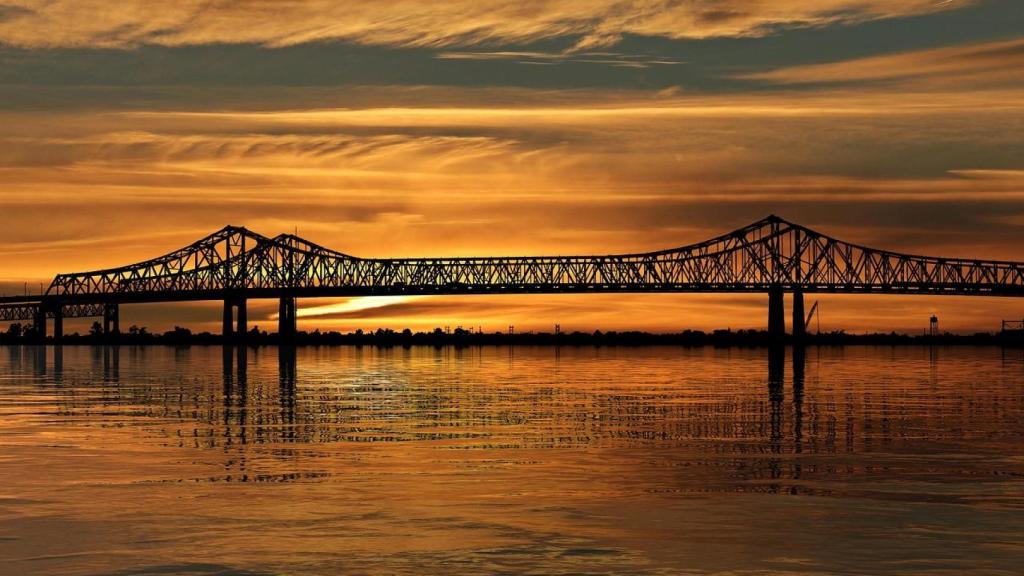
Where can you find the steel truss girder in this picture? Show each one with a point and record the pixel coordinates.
(28, 312)
(767, 253)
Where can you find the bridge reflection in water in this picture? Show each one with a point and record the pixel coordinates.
(235, 363)
(391, 395)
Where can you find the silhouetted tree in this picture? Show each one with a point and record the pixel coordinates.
(179, 333)
(14, 331)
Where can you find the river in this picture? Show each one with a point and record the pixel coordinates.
(499, 460)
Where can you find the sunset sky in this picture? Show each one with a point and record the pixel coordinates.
(130, 128)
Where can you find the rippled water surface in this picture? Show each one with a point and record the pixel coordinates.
(496, 460)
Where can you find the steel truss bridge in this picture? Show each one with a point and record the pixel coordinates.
(772, 256)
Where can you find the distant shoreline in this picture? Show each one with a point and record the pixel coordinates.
(460, 337)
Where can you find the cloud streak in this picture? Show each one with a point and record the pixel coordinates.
(257, 151)
(962, 65)
(594, 23)
(615, 59)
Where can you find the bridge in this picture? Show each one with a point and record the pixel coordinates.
(771, 256)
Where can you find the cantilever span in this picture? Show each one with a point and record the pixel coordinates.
(771, 255)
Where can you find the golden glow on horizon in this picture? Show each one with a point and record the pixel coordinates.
(351, 305)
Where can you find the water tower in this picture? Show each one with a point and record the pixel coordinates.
(933, 325)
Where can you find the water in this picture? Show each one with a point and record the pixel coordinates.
(516, 461)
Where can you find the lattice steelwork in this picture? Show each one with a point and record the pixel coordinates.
(28, 312)
(769, 253)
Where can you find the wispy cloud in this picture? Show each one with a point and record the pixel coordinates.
(121, 23)
(613, 59)
(964, 65)
(257, 151)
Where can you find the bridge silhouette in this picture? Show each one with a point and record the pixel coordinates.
(771, 256)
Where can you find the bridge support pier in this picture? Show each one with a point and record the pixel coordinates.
(40, 324)
(776, 315)
(58, 323)
(227, 329)
(799, 328)
(234, 327)
(111, 321)
(242, 321)
(286, 321)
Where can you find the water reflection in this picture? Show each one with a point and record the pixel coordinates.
(461, 397)
(799, 365)
(551, 450)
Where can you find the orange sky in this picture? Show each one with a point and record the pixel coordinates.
(487, 129)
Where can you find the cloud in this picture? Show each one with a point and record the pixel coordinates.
(964, 65)
(260, 151)
(125, 23)
(9, 12)
(550, 58)
(590, 148)
(523, 141)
